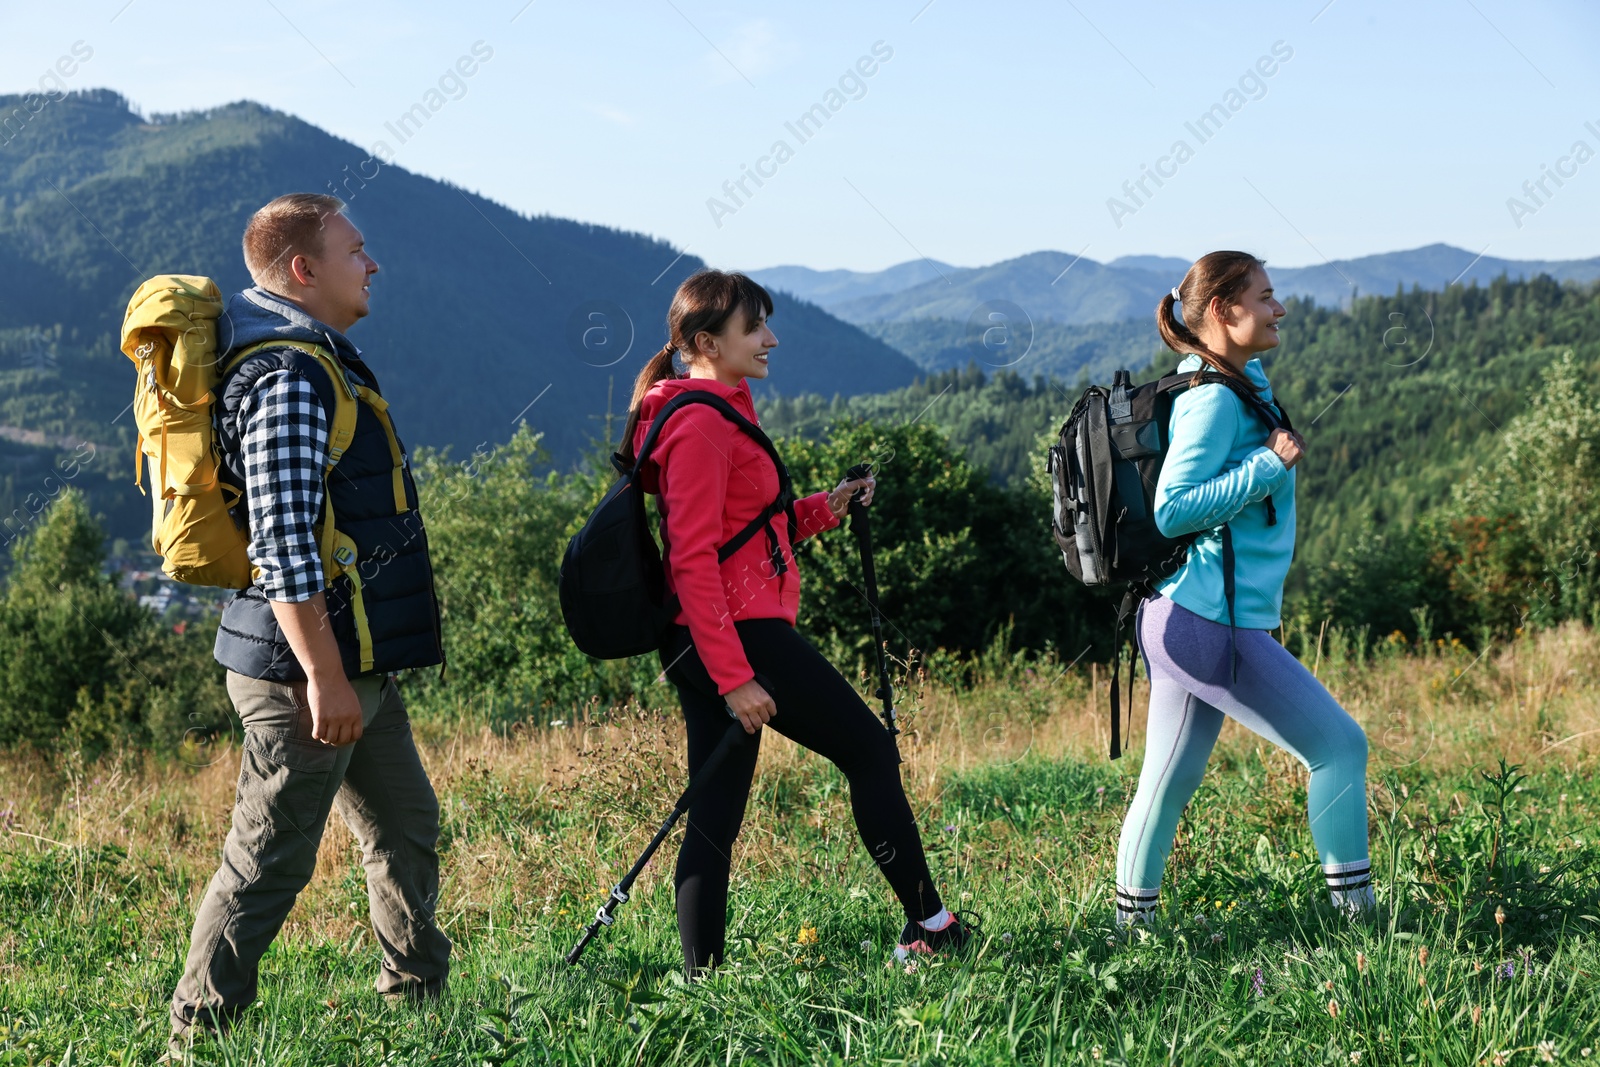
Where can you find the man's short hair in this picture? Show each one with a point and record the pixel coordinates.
(290, 226)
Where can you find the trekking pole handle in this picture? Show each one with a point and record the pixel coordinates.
(859, 471)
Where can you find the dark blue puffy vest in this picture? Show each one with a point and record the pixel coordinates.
(396, 575)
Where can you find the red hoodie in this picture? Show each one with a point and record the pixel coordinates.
(712, 479)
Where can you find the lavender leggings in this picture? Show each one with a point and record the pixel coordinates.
(1275, 696)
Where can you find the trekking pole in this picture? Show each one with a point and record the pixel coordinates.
(861, 526)
(619, 893)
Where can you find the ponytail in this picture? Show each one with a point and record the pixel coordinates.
(659, 367)
(1216, 275)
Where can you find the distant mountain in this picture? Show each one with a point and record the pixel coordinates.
(481, 316)
(1054, 286)
(1168, 266)
(1063, 288)
(1432, 267)
(823, 287)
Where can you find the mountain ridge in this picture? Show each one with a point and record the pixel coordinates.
(544, 316)
(1075, 290)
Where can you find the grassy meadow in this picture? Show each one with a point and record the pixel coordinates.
(1487, 949)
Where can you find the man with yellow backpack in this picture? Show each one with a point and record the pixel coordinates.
(262, 410)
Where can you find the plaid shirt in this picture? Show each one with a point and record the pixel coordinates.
(283, 447)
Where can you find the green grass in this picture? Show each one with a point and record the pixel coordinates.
(1241, 968)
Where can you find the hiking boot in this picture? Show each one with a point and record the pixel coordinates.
(914, 940)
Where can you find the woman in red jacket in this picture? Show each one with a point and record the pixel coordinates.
(734, 646)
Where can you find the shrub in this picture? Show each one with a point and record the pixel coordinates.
(1523, 530)
(81, 663)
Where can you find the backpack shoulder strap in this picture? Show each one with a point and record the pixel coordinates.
(785, 498)
(1273, 415)
(342, 419)
(728, 412)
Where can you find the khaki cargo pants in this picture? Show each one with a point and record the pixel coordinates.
(287, 784)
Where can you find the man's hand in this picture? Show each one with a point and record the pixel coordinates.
(335, 709)
(751, 705)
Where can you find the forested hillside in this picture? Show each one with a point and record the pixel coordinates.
(1089, 351)
(481, 316)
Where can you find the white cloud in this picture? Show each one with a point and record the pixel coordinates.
(751, 50)
(613, 114)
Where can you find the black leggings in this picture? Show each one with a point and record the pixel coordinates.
(817, 708)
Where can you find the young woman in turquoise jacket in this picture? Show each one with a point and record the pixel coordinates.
(1224, 467)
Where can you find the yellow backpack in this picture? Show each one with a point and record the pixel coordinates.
(170, 333)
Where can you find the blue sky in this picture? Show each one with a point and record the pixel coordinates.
(989, 131)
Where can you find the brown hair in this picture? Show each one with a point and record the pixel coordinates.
(1221, 275)
(290, 226)
(704, 302)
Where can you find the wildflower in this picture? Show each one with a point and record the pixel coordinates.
(1058, 944)
(866, 946)
(1006, 936)
(1333, 1008)
(808, 935)
(1477, 965)
(1422, 955)
(1328, 985)
(1258, 983)
(950, 828)
(1507, 971)
(1361, 963)
(911, 968)
(1355, 1057)
(1501, 1058)
(1477, 1013)
(1499, 915)
(1216, 939)
(1547, 1051)
(1095, 1052)
(965, 896)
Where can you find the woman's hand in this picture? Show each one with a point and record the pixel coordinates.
(1289, 446)
(839, 499)
(751, 705)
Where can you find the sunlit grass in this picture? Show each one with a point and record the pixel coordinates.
(101, 867)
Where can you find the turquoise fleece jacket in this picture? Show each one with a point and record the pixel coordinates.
(1218, 470)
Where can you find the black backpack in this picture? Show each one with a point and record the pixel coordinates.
(612, 584)
(1103, 473)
